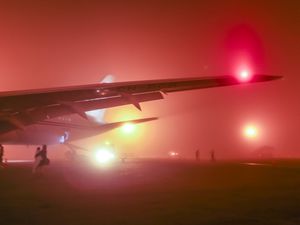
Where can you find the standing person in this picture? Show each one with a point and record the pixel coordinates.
(44, 159)
(197, 153)
(212, 155)
(37, 160)
(1, 155)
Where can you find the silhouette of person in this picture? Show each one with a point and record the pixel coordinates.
(212, 156)
(197, 153)
(37, 160)
(1, 154)
(40, 159)
(44, 159)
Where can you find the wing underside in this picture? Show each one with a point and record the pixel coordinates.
(19, 109)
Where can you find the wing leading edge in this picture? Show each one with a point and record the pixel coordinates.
(21, 108)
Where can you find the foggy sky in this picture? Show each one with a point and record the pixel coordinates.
(62, 43)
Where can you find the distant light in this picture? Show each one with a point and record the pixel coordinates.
(173, 154)
(104, 156)
(128, 128)
(64, 138)
(250, 131)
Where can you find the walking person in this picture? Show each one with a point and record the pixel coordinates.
(40, 159)
(37, 160)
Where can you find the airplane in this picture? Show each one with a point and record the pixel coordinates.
(29, 117)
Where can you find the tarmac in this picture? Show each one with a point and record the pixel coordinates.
(152, 191)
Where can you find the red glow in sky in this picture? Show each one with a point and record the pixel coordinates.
(57, 43)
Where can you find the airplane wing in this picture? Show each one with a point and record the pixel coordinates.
(19, 109)
(96, 127)
(93, 128)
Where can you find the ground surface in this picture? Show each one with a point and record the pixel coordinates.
(152, 192)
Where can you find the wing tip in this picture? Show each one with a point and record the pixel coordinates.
(265, 77)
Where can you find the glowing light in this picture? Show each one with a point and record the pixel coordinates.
(173, 154)
(104, 156)
(128, 128)
(244, 75)
(250, 131)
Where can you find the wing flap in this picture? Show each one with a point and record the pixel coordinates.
(52, 111)
(58, 110)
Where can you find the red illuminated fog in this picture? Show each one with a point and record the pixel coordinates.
(58, 44)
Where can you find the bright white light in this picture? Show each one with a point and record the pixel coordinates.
(250, 131)
(128, 128)
(244, 75)
(104, 156)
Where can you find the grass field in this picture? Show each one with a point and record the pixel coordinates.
(152, 192)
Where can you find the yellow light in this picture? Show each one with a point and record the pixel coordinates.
(128, 128)
(250, 131)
